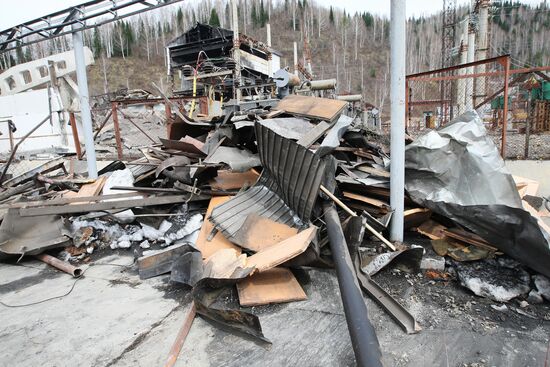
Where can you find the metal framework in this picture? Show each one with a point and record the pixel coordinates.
(447, 44)
(450, 74)
(87, 15)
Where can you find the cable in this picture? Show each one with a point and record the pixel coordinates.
(68, 292)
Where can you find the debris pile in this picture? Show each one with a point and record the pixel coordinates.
(236, 203)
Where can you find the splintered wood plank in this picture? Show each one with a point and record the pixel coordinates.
(312, 107)
(415, 217)
(283, 251)
(228, 180)
(469, 238)
(432, 230)
(219, 242)
(275, 285)
(258, 233)
(373, 171)
(92, 189)
(365, 199)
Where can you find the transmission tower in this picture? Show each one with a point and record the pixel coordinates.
(447, 44)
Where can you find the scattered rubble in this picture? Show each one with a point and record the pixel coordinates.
(241, 204)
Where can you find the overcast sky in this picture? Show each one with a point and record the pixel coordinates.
(30, 9)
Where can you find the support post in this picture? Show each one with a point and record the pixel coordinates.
(236, 51)
(505, 108)
(295, 59)
(86, 114)
(470, 92)
(528, 125)
(76, 139)
(397, 99)
(114, 111)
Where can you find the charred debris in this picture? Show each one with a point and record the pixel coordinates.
(241, 199)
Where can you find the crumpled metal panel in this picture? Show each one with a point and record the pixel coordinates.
(286, 190)
(457, 172)
(30, 235)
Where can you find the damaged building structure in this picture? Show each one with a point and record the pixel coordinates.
(244, 218)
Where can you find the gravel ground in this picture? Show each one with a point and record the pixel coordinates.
(539, 145)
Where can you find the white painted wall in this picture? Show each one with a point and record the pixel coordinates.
(26, 110)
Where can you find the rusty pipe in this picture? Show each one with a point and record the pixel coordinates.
(59, 264)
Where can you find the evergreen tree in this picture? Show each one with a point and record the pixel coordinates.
(214, 19)
(179, 17)
(263, 15)
(331, 16)
(96, 43)
(254, 16)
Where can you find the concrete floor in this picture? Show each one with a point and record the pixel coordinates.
(535, 170)
(112, 318)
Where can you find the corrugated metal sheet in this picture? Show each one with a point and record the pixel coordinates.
(286, 190)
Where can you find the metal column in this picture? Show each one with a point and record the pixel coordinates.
(236, 51)
(85, 114)
(397, 98)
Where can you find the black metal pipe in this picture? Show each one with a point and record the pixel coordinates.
(363, 337)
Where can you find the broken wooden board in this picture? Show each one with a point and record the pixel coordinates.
(283, 251)
(415, 217)
(219, 242)
(312, 107)
(526, 186)
(258, 233)
(311, 137)
(229, 180)
(160, 262)
(373, 171)
(91, 189)
(275, 285)
(101, 206)
(432, 230)
(367, 200)
(469, 238)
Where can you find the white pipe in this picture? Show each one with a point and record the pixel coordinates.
(295, 58)
(397, 99)
(268, 26)
(470, 81)
(85, 112)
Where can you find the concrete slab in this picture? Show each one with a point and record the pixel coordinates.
(112, 318)
(96, 318)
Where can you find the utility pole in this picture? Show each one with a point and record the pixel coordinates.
(236, 51)
(85, 112)
(397, 97)
(471, 58)
(482, 7)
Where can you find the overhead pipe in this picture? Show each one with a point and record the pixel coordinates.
(350, 98)
(363, 336)
(322, 84)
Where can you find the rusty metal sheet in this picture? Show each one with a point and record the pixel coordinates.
(30, 235)
(286, 190)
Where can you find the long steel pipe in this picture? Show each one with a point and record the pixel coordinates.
(398, 53)
(61, 265)
(363, 336)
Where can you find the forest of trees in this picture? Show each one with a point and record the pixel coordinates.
(354, 48)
